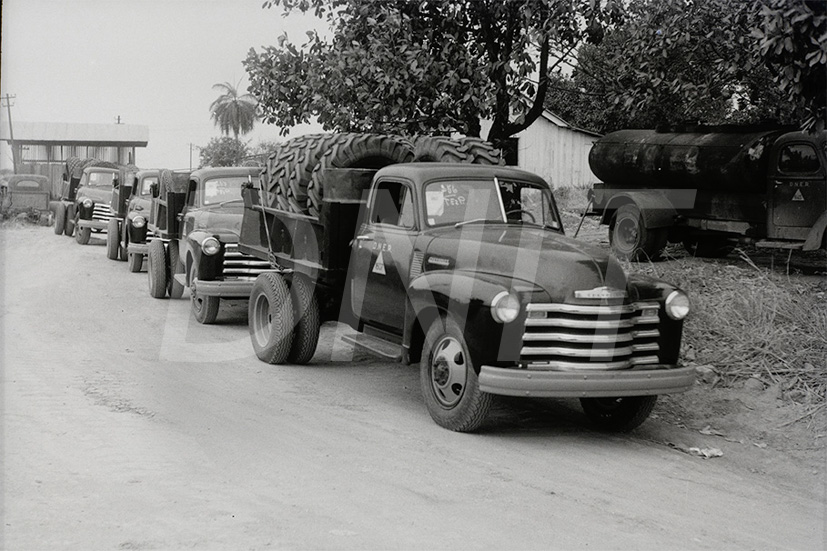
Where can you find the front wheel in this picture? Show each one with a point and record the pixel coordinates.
(620, 414)
(157, 269)
(204, 308)
(629, 237)
(306, 318)
(83, 235)
(60, 218)
(136, 262)
(450, 385)
(175, 289)
(69, 228)
(270, 318)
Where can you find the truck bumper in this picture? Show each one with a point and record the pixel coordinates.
(137, 248)
(94, 224)
(590, 384)
(224, 289)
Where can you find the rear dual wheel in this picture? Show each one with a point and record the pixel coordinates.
(157, 269)
(629, 237)
(283, 319)
(60, 218)
(113, 243)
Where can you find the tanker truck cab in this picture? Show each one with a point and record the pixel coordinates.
(466, 270)
(797, 189)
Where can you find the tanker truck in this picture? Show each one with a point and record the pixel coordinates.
(712, 189)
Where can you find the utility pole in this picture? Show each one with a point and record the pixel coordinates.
(118, 120)
(8, 99)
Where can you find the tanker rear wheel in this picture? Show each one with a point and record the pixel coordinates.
(631, 239)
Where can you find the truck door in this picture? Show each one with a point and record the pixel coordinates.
(797, 190)
(384, 245)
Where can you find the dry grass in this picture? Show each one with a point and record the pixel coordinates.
(752, 322)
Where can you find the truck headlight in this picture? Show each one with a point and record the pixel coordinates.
(505, 307)
(88, 203)
(677, 305)
(210, 246)
(139, 222)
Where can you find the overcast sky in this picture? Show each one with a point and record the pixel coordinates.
(149, 62)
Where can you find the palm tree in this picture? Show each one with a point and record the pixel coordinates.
(233, 112)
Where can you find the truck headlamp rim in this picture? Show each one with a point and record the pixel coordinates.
(210, 246)
(505, 307)
(139, 222)
(677, 305)
(88, 203)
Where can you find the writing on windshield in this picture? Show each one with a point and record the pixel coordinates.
(220, 190)
(494, 200)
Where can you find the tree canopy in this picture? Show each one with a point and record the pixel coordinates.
(718, 61)
(439, 66)
(430, 66)
(223, 151)
(233, 112)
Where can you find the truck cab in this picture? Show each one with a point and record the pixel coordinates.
(205, 257)
(92, 205)
(467, 271)
(134, 236)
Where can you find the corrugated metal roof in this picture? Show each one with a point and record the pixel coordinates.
(78, 133)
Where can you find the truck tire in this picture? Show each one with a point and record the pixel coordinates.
(123, 241)
(174, 288)
(157, 269)
(60, 219)
(136, 262)
(450, 385)
(708, 247)
(443, 149)
(204, 308)
(270, 317)
(618, 414)
(306, 319)
(113, 244)
(300, 173)
(356, 151)
(69, 228)
(630, 239)
(83, 235)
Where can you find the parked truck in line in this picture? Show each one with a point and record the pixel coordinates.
(127, 233)
(711, 189)
(85, 198)
(200, 249)
(465, 270)
(28, 194)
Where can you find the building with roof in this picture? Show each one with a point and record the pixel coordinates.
(552, 148)
(43, 147)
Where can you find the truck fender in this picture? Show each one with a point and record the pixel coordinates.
(434, 294)
(816, 235)
(655, 207)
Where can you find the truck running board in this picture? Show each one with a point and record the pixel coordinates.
(375, 345)
(767, 244)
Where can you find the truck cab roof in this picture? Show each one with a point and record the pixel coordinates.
(421, 173)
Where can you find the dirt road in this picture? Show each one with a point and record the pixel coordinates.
(126, 425)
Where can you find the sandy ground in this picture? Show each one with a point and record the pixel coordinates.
(126, 425)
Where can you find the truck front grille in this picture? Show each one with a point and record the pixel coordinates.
(238, 265)
(570, 337)
(102, 212)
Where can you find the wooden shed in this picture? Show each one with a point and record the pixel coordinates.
(554, 149)
(43, 147)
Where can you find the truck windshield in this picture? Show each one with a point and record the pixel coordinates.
(221, 190)
(146, 184)
(456, 202)
(99, 179)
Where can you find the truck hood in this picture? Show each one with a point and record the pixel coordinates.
(532, 258)
(221, 218)
(97, 194)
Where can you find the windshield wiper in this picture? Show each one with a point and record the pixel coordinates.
(472, 221)
(222, 203)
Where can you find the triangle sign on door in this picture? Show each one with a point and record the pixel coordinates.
(798, 196)
(379, 267)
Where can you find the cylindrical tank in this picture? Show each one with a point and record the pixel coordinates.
(720, 161)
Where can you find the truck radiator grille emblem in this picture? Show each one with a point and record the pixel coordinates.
(571, 337)
(102, 211)
(238, 265)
